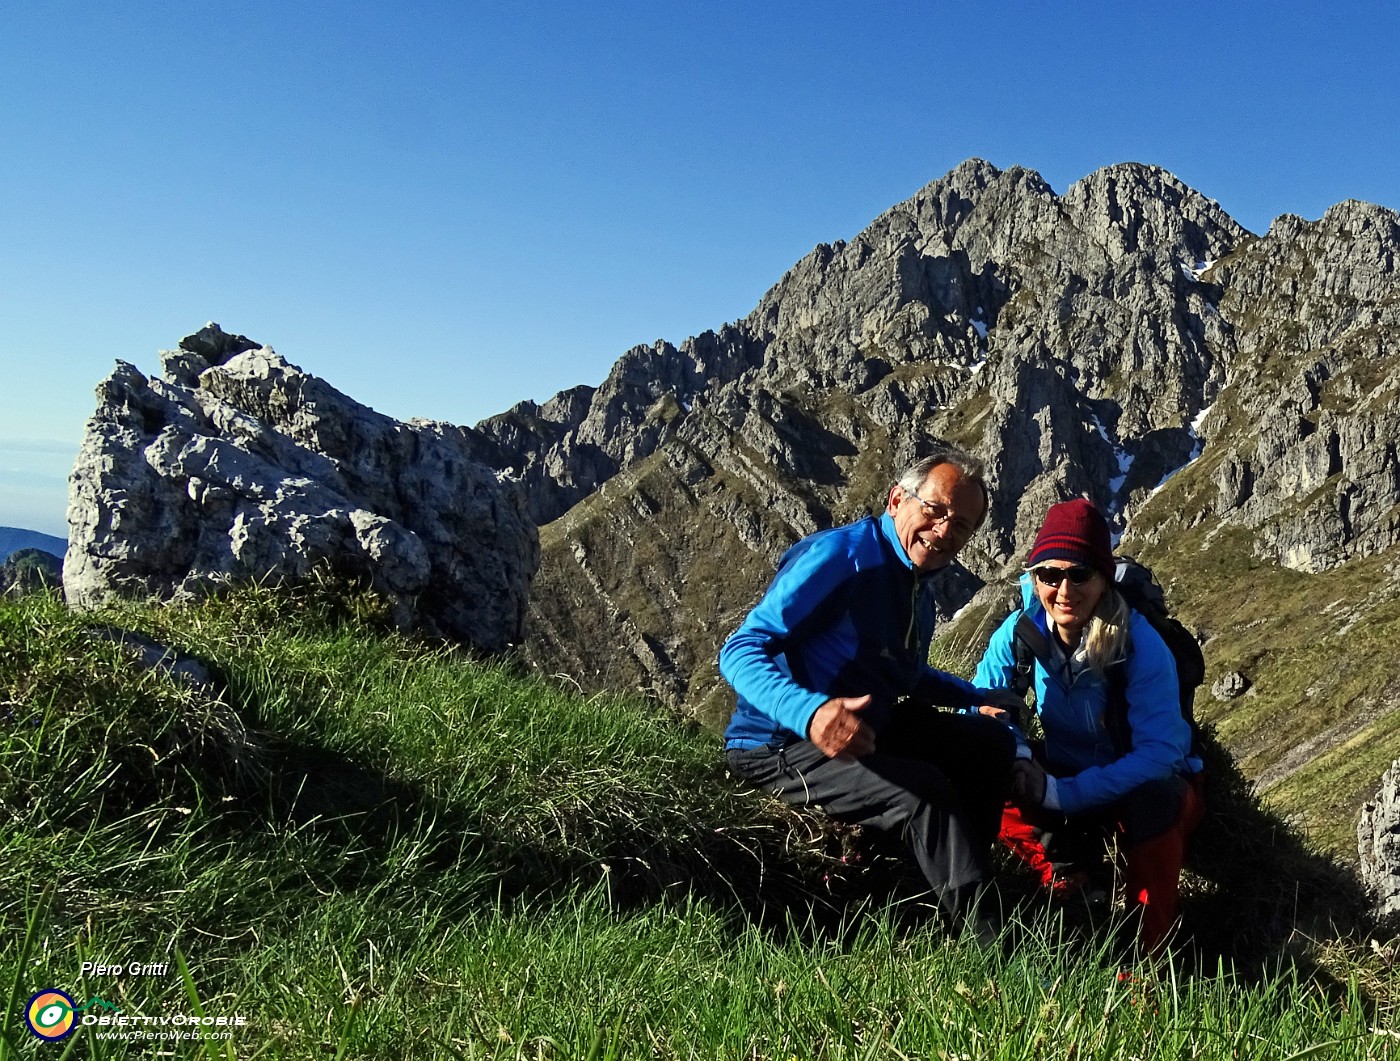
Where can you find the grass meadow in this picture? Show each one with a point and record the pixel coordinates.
(353, 845)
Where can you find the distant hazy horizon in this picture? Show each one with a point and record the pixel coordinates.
(34, 484)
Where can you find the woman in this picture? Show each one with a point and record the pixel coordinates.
(1093, 775)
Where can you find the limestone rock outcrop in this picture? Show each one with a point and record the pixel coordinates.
(1307, 456)
(1228, 686)
(235, 465)
(1378, 843)
(565, 449)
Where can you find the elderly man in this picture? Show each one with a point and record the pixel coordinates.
(836, 700)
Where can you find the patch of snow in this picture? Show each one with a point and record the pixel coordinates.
(961, 611)
(1124, 458)
(979, 323)
(1125, 463)
(507, 475)
(1198, 421)
(1195, 271)
(1198, 447)
(959, 366)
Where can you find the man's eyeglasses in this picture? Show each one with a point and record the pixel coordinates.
(1053, 576)
(937, 512)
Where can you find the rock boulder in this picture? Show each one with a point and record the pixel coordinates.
(1378, 842)
(236, 465)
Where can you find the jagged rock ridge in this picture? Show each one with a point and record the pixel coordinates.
(986, 309)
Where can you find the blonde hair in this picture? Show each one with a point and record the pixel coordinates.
(1106, 635)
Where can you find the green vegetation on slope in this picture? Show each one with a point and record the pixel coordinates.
(372, 848)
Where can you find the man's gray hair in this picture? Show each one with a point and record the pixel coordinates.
(968, 466)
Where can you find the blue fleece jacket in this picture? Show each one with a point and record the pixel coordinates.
(847, 614)
(1080, 750)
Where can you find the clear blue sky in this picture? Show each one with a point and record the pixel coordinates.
(443, 208)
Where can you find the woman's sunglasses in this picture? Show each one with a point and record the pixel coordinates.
(1053, 576)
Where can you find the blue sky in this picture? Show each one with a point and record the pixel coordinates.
(443, 208)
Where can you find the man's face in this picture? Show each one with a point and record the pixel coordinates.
(934, 524)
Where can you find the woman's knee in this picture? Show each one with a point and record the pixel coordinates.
(1151, 809)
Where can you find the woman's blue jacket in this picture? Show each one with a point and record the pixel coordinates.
(1080, 750)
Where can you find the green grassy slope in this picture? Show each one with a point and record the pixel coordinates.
(371, 848)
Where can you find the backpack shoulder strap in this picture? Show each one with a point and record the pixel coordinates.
(1028, 644)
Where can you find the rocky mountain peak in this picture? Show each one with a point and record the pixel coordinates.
(1131, 207)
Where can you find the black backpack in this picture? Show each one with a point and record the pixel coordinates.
(1138, 587)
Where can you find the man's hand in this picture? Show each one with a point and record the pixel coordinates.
(838, 731)
(1001, 703)
(1027, 783)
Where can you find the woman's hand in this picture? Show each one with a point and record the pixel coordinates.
(1027, 783)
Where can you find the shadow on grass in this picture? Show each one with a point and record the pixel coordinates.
(1256, 892)
(786, 872)
(1258, 898)
(1264, 889)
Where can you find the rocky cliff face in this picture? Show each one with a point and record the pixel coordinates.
(235, 464)
(1308, 436)
(1229, 398)
(1062, 337)
(1378, 843)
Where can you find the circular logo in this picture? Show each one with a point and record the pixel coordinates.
(50, 1015)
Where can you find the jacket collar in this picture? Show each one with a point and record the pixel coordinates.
(891, 536)
(892, 540)
(1030, 603)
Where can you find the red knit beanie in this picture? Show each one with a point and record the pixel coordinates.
(1074, 531)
